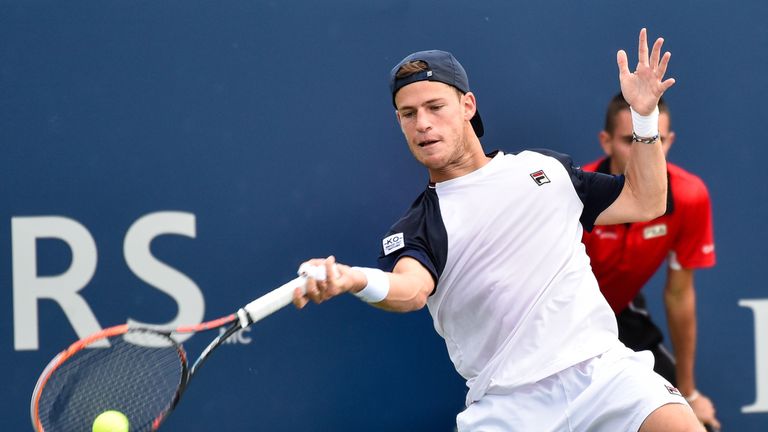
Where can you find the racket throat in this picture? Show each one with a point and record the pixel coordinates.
(244, 318)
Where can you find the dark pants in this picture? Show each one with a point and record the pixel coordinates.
(638, 332)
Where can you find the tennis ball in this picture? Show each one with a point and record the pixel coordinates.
(111, 421)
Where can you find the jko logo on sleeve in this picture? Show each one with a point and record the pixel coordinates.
(393, 243)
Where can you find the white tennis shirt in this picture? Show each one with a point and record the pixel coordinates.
(515, 297)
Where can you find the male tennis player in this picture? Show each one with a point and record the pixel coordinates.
(624, 257)
(493, 247)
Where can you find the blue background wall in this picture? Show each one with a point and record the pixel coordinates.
(271, 123)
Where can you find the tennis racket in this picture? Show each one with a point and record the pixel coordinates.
(142, 374)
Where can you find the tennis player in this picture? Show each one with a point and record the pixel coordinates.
(624, 258)
(493, 248)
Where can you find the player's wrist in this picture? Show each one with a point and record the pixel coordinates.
(692, 396)
(645, 126)
(376, 285)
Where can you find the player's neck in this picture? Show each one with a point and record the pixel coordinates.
(471, 160)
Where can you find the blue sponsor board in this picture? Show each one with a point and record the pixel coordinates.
(167, 161)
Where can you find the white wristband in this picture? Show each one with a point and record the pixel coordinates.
(377, 288)
(645, 126)
(693, 396)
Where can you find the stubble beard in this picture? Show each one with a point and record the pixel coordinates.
(456, 158)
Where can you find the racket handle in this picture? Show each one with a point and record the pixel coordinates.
(270, 302)
(279, 297)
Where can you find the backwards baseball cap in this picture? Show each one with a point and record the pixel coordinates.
(442, 67)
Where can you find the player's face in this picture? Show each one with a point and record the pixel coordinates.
(618, 144)
(433, 117)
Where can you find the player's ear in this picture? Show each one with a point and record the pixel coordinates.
(605, 142)
(470, 105)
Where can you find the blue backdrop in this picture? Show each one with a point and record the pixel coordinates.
(246, 136)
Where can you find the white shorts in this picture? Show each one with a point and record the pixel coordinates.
(612, 392)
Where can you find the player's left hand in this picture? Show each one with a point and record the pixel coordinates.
(643, 88)
(705, 411)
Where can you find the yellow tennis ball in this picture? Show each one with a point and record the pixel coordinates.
(111, 421)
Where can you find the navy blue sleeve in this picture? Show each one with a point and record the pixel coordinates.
(597, 191)
(419, 234)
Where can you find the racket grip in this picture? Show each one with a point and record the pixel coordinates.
(280, 297)
(269, 302)
(315, 272)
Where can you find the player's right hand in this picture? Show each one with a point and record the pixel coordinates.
(339, 279)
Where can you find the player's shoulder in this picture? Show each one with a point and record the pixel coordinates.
(424, 206)
(536, 155)
(686, 186)
(542, 152)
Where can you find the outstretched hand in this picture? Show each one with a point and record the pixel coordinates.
(643, 88)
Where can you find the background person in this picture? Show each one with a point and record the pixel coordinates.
(624, 257)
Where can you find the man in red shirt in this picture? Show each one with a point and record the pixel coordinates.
(624, 257)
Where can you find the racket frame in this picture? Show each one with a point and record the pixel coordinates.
(244, 317)
(110, 332)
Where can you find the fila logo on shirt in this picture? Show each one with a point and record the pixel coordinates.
(539, 177)
(673, 390)
(393, 243)
(654, 231)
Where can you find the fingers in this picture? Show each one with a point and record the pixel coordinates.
(643, 86)
(310, 292)
(656, 52)
(329, 288)
(642, 48)
(299, 299)
(705, 412)
(667, 84)
(317, 290)
(656, 61)
(715, 424)
(662, 70)
(330, 268)
(622, 62)
(711, 420)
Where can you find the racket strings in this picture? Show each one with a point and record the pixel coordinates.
(138, 375)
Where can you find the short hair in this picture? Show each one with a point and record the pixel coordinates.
(411, 68)
(618, 104)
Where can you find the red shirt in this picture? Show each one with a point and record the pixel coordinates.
(625, 256)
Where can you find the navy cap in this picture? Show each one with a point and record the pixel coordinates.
(442, 67)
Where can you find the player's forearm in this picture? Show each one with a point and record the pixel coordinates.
(646, 174)
(406, 293)
(681, 318)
